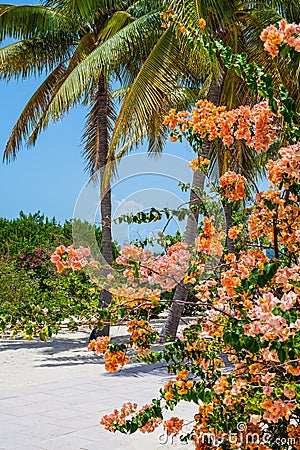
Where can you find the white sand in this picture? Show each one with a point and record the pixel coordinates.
(63, 356)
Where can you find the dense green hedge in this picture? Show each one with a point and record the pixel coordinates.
(34, 298)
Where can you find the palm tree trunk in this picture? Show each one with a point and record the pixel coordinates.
(106, 241)
(170, 326)
(228, 225)
(181, 292)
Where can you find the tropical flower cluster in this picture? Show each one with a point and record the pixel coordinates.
(209, 241)
(141, 334)
(99, 345)
(277, 216)
(173, 426)
(256, 125)
(235, 231)
(233, 185)
(144, 420)
(285, 170)
(285, 33)
(114, 360)
(240, 361)
(69, 257)
(199, 164)
(118, 417)
(166, 270)
(114, 356)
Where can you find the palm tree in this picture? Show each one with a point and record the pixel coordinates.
(171, 64)
(56, 37)
(82, 46)
(238, 26)
(81, 43)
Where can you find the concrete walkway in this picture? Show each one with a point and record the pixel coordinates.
(64, 413)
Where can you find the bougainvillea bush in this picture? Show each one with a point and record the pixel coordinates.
(35, 300)
(252, 310)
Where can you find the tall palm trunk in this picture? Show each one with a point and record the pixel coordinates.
(228, 225)
(102, 146)
(170, 327)
(181, 292)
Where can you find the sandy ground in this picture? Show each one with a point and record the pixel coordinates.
(53, 394)
(63, 356)
(25, 363)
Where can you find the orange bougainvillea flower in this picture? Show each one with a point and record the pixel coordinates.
(69, 257)
(173, 426)
(118, 416)
(168, 395)
(115, 360)
(99, 345)
(256, 125)
(199, 164)
(286, 33)
(221, 385)
(182, 375)
(233, 185)
(174, 137)
(234, 231)
(209, 241)
(202, 23)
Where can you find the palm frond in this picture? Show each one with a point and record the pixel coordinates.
(85, 10)
(31, 113)
(115, 23)
(84, 48)
(157, 134)
(218, 14)
(23, 22)
(139, 8)
(32, 57)
(156, 81)
(131, 40)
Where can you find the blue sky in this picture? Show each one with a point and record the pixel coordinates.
(50, 176)
(47, 177)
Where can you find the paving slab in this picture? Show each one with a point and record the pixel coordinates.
(59, 406)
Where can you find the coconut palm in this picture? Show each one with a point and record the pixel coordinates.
(239, 26)
(82, 46)
(82, 43)
(55, 38)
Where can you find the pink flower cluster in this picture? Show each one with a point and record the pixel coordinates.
(71, 258)
(266, 323)
(287, 168)
(286, 33)
(241, 269)
(254, 125)
(274, 411)
(166, 270)
(287, 277)
(127, 411)
(119, 417)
